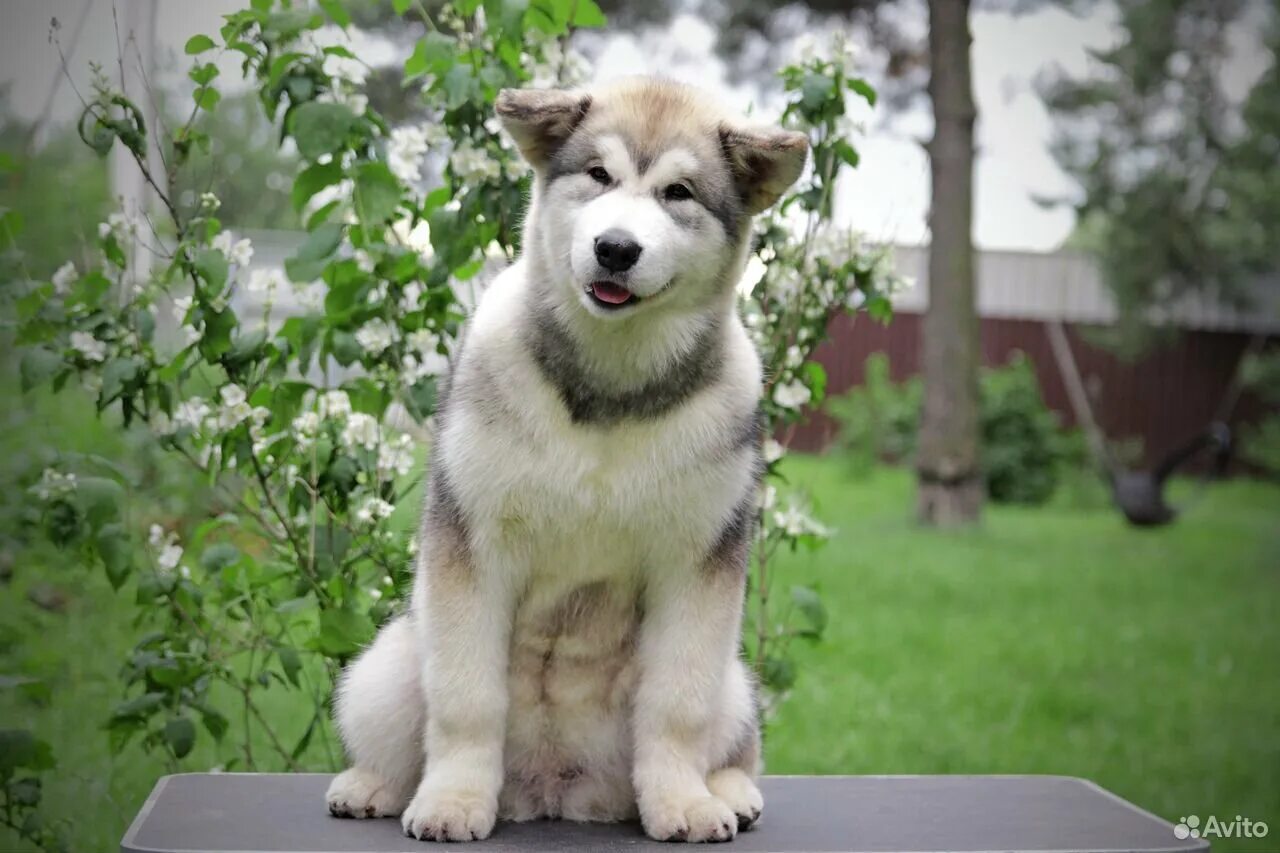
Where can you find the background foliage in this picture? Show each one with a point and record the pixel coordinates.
(292, 401)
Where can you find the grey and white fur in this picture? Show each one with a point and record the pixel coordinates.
(572, 645)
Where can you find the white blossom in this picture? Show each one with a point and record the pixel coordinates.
(414, 369)
(415, 236)
(335, 405)
(773, 450)
(361, 430)
(406, 148)
(374, 509)
(238, 252)
(88, 346)
(306, 427)
(209, 202)
(791, 395)
(53, 483)
(471, 164)
(795, 357)
(235, 407)
(794, 521)
(395, 458)
(191, 413)
(155, 536)
(410, 298)
(265, 282)
(751, 276)
(65, 276)
(421, 341)
(181, 306)
(169, 556)
(376, 335)
(120, 225)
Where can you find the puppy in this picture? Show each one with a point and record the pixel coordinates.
(572, 646)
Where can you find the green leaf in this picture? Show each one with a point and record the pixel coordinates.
(116, 555)
(344, 347)
(310, 260)
(434, 53)
(313, 179)
(377, 193)
(212, 267)
(20, 748)
(218, 556)
(778, 673)
(864, 89)
(587, 14)
(136, 709)
(343, 632)
(321, 128)
(180, 734)
(421, 399)
(214, 722)
(290, 662)
(303, 742)
(38, 364)
(198, 44)
(811, 610)
(847, 153)
(116, 376)
(100, 499)
(336, 12)
(206, 97)
(401, 6)
(218, 326)
(203, 74)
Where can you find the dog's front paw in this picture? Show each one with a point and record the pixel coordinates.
(739, 793)
(693, 819)
(445, 814)
(363, 793)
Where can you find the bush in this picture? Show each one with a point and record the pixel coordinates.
(279, 390)
(878, 419)
(1021, 444)
(1023, 448)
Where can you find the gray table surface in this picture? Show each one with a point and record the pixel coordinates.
(816, 814)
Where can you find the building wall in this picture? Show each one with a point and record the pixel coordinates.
(1163, 399)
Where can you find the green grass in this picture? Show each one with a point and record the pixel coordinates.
(1051, 640)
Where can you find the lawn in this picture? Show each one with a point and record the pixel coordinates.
(1050, 640)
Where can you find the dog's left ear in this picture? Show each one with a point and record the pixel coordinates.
(765, 162)
(540, 120)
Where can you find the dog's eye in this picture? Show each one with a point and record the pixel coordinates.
(677, 192)
(599, 175)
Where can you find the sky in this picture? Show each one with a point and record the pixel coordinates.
(887, 197)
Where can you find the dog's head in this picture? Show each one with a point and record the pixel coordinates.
(644, 191)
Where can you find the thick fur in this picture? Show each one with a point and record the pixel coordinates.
(572, 645)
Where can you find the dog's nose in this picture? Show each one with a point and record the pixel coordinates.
(616, 250)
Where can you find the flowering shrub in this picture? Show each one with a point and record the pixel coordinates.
(296, 394)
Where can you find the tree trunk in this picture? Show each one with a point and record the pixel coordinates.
(950, 482)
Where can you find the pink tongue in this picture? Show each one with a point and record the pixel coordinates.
(609, 292)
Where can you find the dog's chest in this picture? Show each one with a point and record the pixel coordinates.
(563, 496)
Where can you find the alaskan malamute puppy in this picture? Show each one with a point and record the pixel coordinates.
(572, 646)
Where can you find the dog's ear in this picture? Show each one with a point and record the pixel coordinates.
(540, 120)
(765, 161)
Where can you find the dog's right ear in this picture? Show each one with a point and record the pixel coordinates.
(540, 120)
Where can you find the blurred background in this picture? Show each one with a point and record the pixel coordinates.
(1051, 481)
